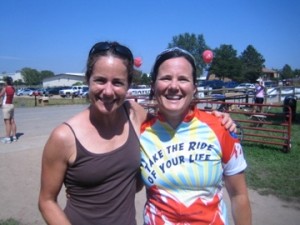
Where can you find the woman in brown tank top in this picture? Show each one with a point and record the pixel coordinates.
(95, 154)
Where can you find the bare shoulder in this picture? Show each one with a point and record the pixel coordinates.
(60, 143)
(61, 133)
(137, 112)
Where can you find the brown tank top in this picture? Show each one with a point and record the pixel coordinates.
(101, 187)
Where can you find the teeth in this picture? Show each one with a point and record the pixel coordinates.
(108, 103)
(173, 97)
(105, 102)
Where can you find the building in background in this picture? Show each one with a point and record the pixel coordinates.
(15, 76)
(270, 74)
(63, 79)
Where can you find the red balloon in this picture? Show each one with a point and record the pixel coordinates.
(207, 56)
(138, 61)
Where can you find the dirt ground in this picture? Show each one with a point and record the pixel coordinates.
(20, 164)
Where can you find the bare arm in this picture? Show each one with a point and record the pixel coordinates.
(138, 115)
(2, 92)
(240, 204)
(54, 165)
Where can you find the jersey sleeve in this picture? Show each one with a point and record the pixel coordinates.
(233, 157)
(233, 160)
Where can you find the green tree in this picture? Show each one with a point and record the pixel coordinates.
(18, 82)
(3, 79)
(30, 76)
(297, 73)
(136, 77)
(34, 77)
(252, 64)
(195, 44)
(287, 72)
(226, 63)
(46, 73)
(145, 79)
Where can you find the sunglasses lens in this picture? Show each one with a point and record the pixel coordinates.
(124, 51)
(99, 47)
(117, 48)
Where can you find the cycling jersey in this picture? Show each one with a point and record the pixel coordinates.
(183, 169)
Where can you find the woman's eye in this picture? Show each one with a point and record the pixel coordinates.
(165, 78)
(184, 80)
(119, 84)
(100, 81)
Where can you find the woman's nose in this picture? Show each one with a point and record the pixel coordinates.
(173, 84)
(108, 90)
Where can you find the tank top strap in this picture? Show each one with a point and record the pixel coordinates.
(70, 129)
(125, 108)
(131, 129)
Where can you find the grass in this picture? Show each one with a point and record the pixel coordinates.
(271, 171)
(34, 102)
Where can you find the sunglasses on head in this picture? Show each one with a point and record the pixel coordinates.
(174, 49)
(115, 47)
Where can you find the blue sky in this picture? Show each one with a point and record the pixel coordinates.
(56, 35)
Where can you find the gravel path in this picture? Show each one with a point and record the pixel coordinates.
(20, 164)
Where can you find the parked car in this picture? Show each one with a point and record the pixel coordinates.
(72, 91)
(246, 88)
(25, 92)
(55, 90)
(215, 84)
(37, 92)
(230, 84)
(41, 91)
(85, 92)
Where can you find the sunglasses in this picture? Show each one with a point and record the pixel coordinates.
(114, 46)
(172, 50)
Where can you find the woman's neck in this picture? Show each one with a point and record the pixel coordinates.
(175, 120)
(109, 119)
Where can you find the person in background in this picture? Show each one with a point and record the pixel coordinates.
(259, 95)
(187, 155)
(8, 109)
(96, 153)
